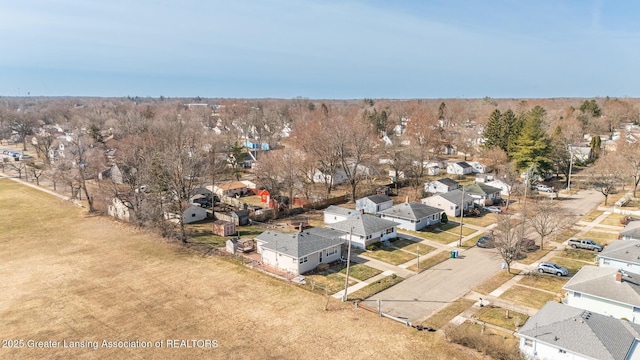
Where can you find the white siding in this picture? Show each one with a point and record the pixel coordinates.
(330, 218)
(537, 350)
(602, 306)
(622, 265)
(414, 226)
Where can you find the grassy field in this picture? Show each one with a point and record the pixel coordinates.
(527, 297)
(534, 256)
(447, 313)
(613, 220)
(413, 246)
(571, 264)
(331, 283)
(375, 287)
(602, 238)
(484, 220)
(544, 281)
(390, 255)
(429, 262)
(496, 281)
(592, 215)
(498, 317)
(69, 275)
(361, 272)
(578, 254)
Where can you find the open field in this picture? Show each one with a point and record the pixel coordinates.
(496, 281)
(447, 313)
(68, 275)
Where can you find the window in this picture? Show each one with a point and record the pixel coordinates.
(193, 215)
(332, 251)
(605, 262)
(418, 220)
(303, 260)
(528, 342)
(562, 351)
(368, 237)
(636, 310)
(577, 295)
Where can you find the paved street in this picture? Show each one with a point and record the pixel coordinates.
(420, 295)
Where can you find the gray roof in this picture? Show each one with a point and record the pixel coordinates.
(632, 229)
(448, 182)
(411, 211)
(455, 196)
(379, 199)
(299, 244)
(464, 164)
(601, 282)
(363, 225)
(582, 332)
(482, 189)
(624, 250)
(340, 211)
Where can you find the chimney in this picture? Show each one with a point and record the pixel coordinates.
(619, 277)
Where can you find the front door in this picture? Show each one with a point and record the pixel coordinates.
(320, 257)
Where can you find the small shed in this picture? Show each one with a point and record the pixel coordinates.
(194, 213)
(241, 217)
(240, 245)
(224, 228)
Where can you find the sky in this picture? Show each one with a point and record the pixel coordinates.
(320, 49)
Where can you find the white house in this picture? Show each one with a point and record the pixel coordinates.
(365, 230)
(478, 167)
(450, 202)
(459, 168)
(482, 193)
(194, 213)
(505, 189)
(412, 216)
(299, 252)
(118, 210)
(621, 254)
(559, 331)
(334, 214)
(374, 203)
(605, 291)
(231, 189)
(441, 186)
(631, 231)
(324, 177)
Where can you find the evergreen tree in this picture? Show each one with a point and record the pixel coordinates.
(595, 144)
(492, 133)
(532, 146)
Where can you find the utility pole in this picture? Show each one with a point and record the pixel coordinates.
(418, 251)
(461, 216)
(346, 282)
(570, 169)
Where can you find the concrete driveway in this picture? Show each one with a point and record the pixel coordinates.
(421, 295)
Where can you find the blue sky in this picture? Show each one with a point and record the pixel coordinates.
(320, 48)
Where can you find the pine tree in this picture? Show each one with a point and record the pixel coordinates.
(532, 146)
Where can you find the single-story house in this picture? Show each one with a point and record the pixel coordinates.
(374, 203)
(581, 152)
(450, 202)
(478, 167)
(459, 168)
(118, 210)
(412, 216)
(483, 178)
(621, 254)
(324, 177)
(365, 230)
(193, 213)
(334, 214)
(231, 189)
(482, 193)
(605, 291)
(505, 189)
(441, 186)
(631, 231)
(559, 331)
(299, 252)
(224, 228)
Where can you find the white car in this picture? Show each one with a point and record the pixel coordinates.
(544, 188)
(493, 209)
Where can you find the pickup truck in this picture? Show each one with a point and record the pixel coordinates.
(585, 244)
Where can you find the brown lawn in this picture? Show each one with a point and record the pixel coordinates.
(69, 276)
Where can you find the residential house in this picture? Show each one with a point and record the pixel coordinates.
(478, 167)
(450, 202)
(334, 214)
(581, 152)
(482, 193)
(559, 331)
(441, 186)
(505, 189)
(374, 203)
(605, 291)
(621, 254)
(337, 177)
(231, 189)
(459, 168)
(299, 252)
(631, 231)
(193, 213)
(118, 210)
(448, 149)
(113, 172)
(365, 230)
(483, 178)
(412, 216)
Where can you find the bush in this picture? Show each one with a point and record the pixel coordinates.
(490, 344)
(374, 246)
(444, 218)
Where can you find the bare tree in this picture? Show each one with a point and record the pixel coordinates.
(44, 143)
(507, 236)
(629, 154)
(546, 219)
(22, 124)
(86, 159)
(605, 175)
(35, 170)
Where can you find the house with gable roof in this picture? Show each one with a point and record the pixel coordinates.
(623, 255)
(412, 216)
(441, 186)
(459, 168)
(631, 231)
(365, 230)
(605, 291)
(374, 203)
(334, 214)
(559, 331)
(300, 252)
(482, 193)
(450, 202)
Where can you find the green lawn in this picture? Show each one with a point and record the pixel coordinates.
(496, 281)
(390, 255)
(544, 281)
(527, 297)
(430, 261)
(332, 283)
(375, 287)
(447, 313)
(361, 271)
(578, 254)
(413, 246)
(498, 317)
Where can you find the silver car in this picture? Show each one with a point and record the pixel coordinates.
(551, 268)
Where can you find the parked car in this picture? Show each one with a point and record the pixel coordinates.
(493, 209)
(552, 268)
(486, 242)
(585, 244)
(543, 188)
(528, 245)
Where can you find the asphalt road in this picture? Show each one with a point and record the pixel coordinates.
(421, 295)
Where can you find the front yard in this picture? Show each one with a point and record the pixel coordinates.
(528, 297)
(376, 287)
(571, 264)
(496, 281)
(331, 283)
(361, 271)
(544, 281)
(447, 313)
(430, 261)
(502, 317)
(390, 255)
